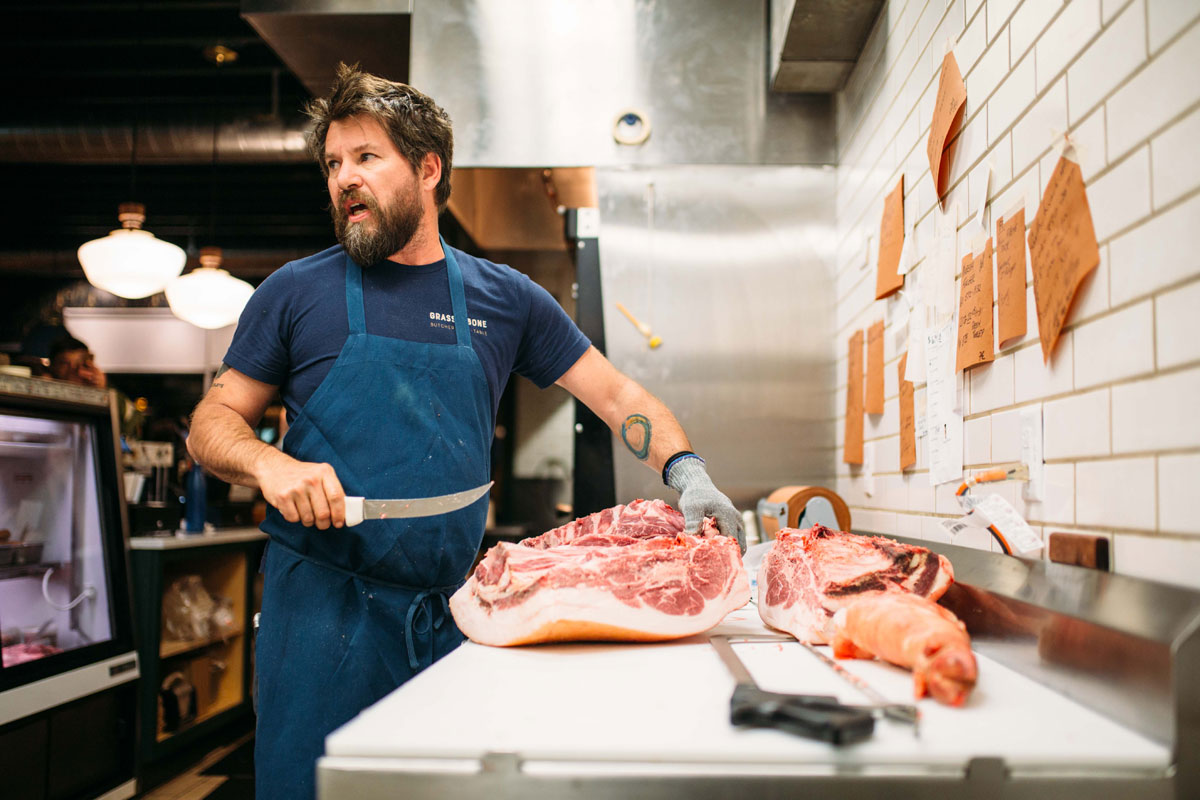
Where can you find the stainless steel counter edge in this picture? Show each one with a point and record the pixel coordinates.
(503, 775)
(226, 536)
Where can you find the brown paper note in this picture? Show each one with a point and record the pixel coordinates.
(908, 424)
(874, 401)
(891, 241)
(853, 448)
(976, 343)
(947, 116)
(1010, 275)
(1062, 249)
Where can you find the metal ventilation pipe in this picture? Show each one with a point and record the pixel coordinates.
(258, 140)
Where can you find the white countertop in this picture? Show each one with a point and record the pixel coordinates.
(180, 540)
(664, 708)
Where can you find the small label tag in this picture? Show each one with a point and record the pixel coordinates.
(954, 526)
(1016, 530)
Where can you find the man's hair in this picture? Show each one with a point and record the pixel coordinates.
(65, 344)
(415, 124)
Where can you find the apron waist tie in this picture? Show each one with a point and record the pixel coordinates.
(424, 601)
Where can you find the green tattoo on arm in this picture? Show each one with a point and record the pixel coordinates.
(635, 432)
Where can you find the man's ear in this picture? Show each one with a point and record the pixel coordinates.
(431, 171)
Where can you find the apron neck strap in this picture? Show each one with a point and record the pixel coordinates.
(354, 298)
(458, 297)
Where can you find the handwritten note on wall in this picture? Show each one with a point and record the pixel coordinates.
(1062, 249)
(874, 402)
(944, 425)
(947, 116)
(908, 423)
(853, 447)
(1010, 275)
(891, 242)
(976, 344)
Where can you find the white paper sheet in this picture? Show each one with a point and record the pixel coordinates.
(938, 282)
(908, 253)
(1031, 453)
(945, 426)
(979, 182)
(920, 409)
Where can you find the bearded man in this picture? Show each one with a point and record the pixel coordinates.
(390, 352)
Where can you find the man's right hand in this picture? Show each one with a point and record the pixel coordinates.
(308, 493)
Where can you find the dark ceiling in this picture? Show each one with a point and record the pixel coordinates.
(90, 68)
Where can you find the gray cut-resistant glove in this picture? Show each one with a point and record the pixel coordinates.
(699, 498)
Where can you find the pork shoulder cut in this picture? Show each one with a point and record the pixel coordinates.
(913, 632)
(808, 575)
(627, 573)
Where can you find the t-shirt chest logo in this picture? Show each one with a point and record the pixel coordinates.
(440, 320)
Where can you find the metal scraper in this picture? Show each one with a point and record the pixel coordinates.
(360, 508)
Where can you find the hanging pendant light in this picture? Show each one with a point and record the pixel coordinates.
(208, 296)
(131, 262)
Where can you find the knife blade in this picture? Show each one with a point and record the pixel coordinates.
(360, 508)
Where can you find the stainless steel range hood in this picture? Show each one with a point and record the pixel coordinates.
(816, 43)
(312, 36)
(547, 83)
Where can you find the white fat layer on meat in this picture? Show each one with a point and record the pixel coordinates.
(589, 605)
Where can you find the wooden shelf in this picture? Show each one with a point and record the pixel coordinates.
(174, 647)
(22, 570)
(207, 714)
(216, 667)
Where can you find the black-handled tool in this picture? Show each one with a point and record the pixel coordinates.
(811, 716)
(819, 717)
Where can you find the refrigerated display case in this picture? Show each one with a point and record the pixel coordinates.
(67, 691)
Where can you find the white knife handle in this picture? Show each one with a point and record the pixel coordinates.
(354, 511)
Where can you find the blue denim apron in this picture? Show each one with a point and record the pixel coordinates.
(349, 614)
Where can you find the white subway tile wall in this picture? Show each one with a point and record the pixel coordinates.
(1175, 161)
(1177, 337)
(1077, 426)
(1120, 345)
(1176, 490)
(1120, 395)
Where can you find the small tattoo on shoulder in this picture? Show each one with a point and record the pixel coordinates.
(635, 432)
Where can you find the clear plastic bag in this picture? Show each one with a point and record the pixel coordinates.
(224, 623)
(188, 609)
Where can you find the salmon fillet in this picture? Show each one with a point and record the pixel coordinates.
(913, 632)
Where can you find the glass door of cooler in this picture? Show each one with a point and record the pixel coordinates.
(64, 598)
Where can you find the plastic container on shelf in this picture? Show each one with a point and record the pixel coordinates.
(196, 505)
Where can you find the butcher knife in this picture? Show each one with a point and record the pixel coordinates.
(360, 508)
(814, 716)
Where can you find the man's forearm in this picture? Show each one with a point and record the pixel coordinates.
(225, 445)
(647, 427)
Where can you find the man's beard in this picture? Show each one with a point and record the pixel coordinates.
(395, 225)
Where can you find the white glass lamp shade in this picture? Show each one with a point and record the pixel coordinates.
(208, 297)
(131, 262)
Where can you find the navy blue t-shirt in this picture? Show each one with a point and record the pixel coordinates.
(295, 324)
